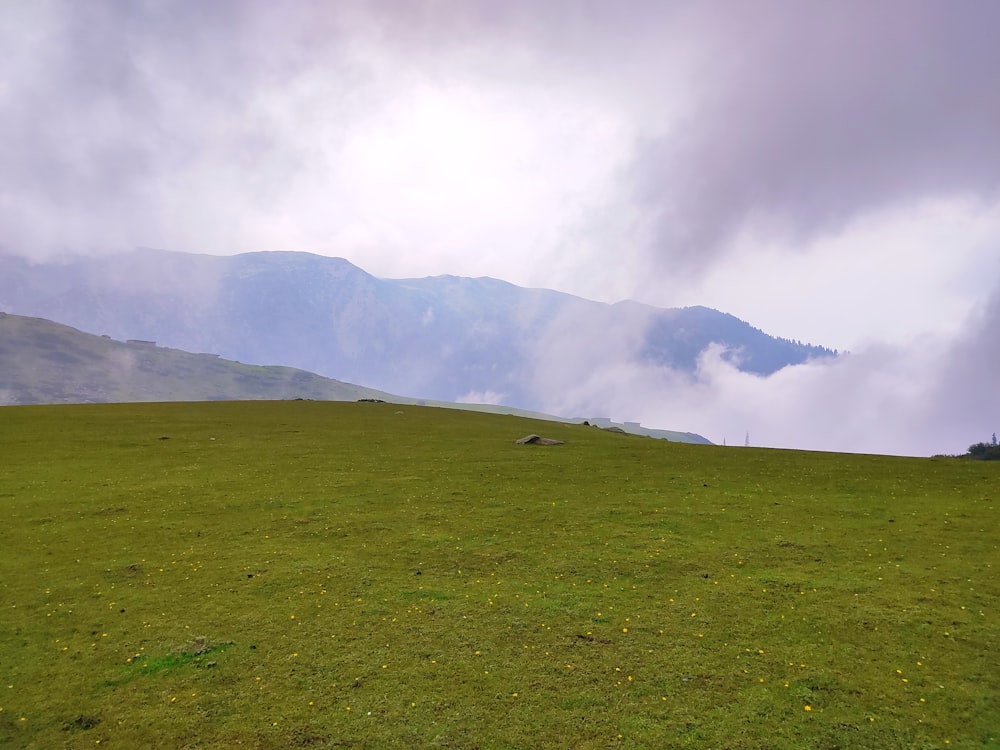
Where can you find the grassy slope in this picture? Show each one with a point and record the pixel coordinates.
(46, 362)
(341, 574)
(672, 435)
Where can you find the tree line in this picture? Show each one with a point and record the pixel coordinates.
(985, 451)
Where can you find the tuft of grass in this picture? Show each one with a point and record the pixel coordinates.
(305, 574)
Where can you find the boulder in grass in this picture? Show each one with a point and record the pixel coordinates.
(538, 440)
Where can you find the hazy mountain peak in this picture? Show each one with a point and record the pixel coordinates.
(442, 337)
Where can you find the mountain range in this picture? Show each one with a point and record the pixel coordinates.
(44, 362)
(444, 337)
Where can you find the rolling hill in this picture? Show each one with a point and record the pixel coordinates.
(331, 575)
(42, 362)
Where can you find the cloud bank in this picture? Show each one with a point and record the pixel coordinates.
(814, 114)
(935, 396)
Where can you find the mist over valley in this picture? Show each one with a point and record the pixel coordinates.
(446, 338)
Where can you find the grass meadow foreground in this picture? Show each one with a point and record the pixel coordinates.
(306, 574)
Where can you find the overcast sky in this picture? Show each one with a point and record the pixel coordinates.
(827, 171)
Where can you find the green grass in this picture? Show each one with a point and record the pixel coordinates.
(344, 575)
(42, 362)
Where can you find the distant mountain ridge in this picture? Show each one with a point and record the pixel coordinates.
(444, 337)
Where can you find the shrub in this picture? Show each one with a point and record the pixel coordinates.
(984, 452)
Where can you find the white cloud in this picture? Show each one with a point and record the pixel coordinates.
(935, 395)
(494, 398)
(889, 276)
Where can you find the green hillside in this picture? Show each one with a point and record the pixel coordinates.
(42, 362)
(327, 575)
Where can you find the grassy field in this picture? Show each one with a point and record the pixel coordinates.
(329, 575)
